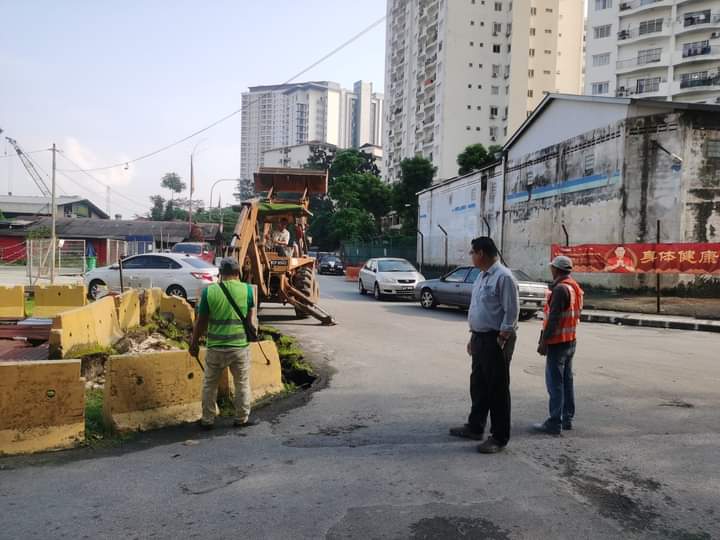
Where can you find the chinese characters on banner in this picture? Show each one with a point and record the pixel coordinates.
(643, 258)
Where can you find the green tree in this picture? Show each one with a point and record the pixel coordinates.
(476, 156)
(363, 191)
(352, 160)
(174, 183)
(321, 157)
(245, 189)
(157, 212)
(352, 224)
(416, 174)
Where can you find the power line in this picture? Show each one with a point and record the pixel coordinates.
(236, 111)
(24, 152)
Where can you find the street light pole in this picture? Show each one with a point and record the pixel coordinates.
(192, 185)
(53, 213)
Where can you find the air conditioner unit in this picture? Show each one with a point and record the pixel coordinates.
(715, 35)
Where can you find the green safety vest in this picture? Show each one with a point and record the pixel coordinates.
(225, 329)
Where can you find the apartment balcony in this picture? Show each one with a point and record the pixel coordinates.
(631, 7)
(705, 20)
(639, 90)
(706, 81)
(705, 53)
(640, 63)
(637, 34)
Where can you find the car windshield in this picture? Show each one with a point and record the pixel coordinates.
(198, 263)
(521, 276)
(331, 259)
(397, 265)
(187, 248)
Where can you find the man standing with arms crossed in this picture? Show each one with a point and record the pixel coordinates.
(227, 343)
(557, 341)
(493, 318)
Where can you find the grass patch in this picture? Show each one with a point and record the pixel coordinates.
(80, 351)
(97, 434)
(296, 372)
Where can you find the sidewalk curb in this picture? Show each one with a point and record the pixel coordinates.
(636, 319)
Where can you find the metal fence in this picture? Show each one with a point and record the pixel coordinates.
(69, 258)
(403, 247)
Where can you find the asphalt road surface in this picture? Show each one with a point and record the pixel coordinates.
(369, 456)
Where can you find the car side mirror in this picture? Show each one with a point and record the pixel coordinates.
(115, 267)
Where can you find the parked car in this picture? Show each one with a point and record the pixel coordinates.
(455, 289)
(176, 274)
(388, 277)
(331, 264)
(202, 250)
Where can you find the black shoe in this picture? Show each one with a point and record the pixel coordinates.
(490, 446)
(546, 428)
(465, 432)
(567, 426)
(247, 423)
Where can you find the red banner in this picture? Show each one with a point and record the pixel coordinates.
(643, 258)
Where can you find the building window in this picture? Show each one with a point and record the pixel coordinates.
(478, 107)
(493, 111)
(531, 73)
(548, 31)
(600, 88)
(469, 64)
(649, 27)
(547, 72)
(648, 56)
(603, 4)
(530, 93)
(601, 59)
(472, 23)
(548, 51)
(498, 6)
(472, 43)
(531, 52)
(477, 128)
(533, 11)
(496, 48)
(469, 85)
(495, 90)
(495, 71)
(651, 84)
(696, 48)
(548, 10)
(493, 133)
(589, 164)
(712, 149)
(467, 128)
(469, 107)
(497, 28)
(696, 17)
(602, 31)
(532, 31)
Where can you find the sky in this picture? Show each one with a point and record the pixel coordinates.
(108, 81)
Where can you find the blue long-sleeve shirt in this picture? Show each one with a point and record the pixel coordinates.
(495, 303)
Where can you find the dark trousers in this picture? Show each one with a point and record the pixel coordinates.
(559, 382)
(490, 385)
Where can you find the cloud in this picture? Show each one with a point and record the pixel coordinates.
(87, 159)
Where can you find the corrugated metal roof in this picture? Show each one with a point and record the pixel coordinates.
(40, 205)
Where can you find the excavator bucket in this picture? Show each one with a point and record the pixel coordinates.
(278, 180)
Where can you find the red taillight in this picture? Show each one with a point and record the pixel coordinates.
(203, 276)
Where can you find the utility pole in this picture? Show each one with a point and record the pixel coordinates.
(192, 188)
(53, 207)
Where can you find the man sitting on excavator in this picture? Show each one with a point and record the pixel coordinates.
(280, 239)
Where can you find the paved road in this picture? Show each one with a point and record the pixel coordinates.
(368, 457)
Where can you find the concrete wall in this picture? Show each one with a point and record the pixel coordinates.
(41, 405)
(182, 313)
(128, 309)
(91, 325)
(12, 302)
(151, 390)
(53, 299)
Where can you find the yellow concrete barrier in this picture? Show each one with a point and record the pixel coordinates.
(12, 302)
(41, 405)
(53, 299)
(265, 379)
(182, 313)
(151, 390)
(150, 304)
(93, 325)
(128, 309)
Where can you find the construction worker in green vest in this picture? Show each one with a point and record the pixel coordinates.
(227, 344)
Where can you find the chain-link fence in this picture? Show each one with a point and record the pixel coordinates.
(69, 258)
(403, 247)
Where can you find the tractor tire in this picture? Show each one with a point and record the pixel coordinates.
(305, 282)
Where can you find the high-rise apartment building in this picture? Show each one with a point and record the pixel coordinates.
(661, 49)
(459, 72)
(292, 114)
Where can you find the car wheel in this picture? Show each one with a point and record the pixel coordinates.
(376, 293)
(176, 290)
(526, 315)
(94, 289)
(361, 288)
(427, 299)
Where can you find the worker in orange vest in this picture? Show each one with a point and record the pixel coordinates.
(557, 343)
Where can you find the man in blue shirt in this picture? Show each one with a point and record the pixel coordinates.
(493, 316)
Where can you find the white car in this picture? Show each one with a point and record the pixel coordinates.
(388, 277)
(176, 274)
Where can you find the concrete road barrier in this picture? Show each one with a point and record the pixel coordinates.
(12, 302)
(93, 325)
(182, 313)
(265, 378)
(42, 406)
(151, 390)
(128, 309)
(53, 299)
(149, 304)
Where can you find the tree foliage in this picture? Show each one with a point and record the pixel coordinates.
(245, 189)
(416, 174)
(476, 156)
(157, 212)
(173, 182)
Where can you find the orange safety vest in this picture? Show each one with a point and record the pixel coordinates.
(569, 319)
